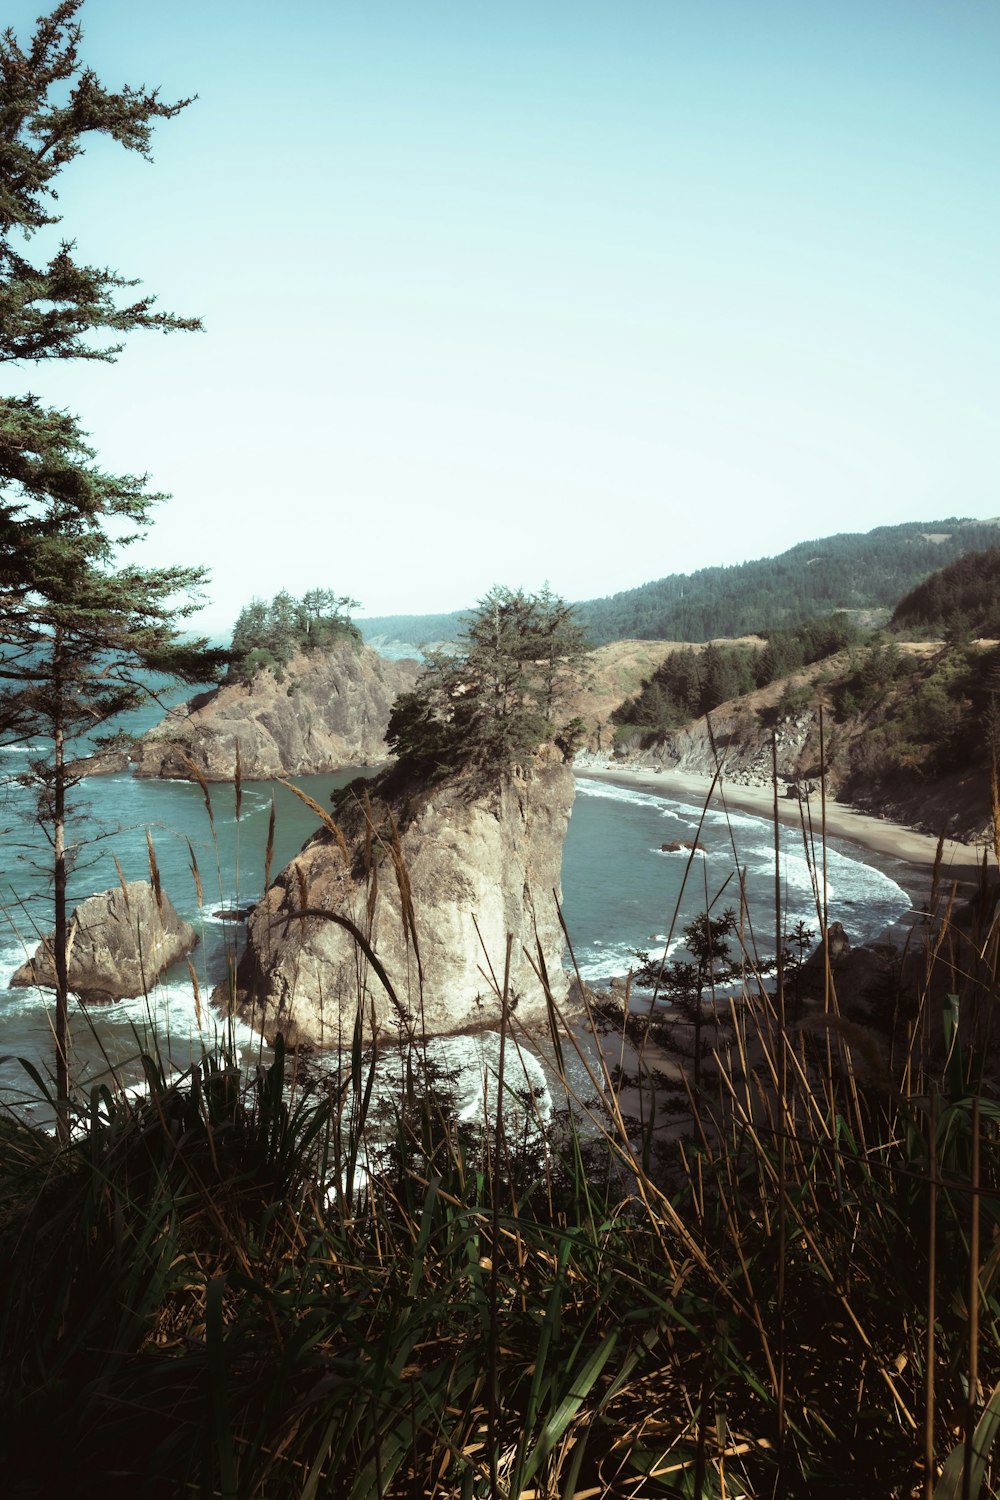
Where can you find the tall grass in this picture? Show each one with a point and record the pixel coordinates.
(780, 1283)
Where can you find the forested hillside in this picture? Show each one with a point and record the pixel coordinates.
(962, 599)
(690, 682)
(852, 570)
(909, 730)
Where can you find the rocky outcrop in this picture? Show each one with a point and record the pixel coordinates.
(120, 942)
(104, 763)
(434, 881)
(324, 710)
(740, 742)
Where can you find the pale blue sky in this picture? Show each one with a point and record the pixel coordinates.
(513, 292)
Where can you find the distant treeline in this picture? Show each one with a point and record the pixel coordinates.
(853, 570)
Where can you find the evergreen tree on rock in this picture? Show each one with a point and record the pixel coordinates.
(485, 708)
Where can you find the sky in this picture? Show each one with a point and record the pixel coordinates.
(543, 290)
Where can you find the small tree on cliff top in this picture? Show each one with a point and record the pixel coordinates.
(76, 628)
(269, 634)
(487, 706)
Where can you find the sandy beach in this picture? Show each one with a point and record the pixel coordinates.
(906, 855)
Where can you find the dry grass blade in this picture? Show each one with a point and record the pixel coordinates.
(368, 847)
(122, 882)
(198, 775)
(930, 1355)
(196, 992)
(154, 872)
(341, 921)
(328, 823)
(238, 779)
(269, 847)
(936, 872)
(405, 893)
(195, 874)
(972, 1380)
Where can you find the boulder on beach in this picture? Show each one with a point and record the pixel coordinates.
(120, 942)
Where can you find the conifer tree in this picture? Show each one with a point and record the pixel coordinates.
(486, 707)
(78, 629)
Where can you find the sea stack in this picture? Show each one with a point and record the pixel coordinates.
(431, 880)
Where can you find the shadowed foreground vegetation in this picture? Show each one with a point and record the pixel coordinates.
(783, 1283)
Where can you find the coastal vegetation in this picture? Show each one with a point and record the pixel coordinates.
(753, 1250)
(690, 683)
(774, 1278)
(912, 724)
(485, 706)
(267, 634)
(911, 729)
(923, 716)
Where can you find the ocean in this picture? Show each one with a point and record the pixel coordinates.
(621, 893)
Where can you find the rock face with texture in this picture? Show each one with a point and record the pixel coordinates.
(436, 900)
(119, 943)
(325, 710)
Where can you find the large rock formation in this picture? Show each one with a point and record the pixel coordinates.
(120, 942)
(436, 899)
(324, 710)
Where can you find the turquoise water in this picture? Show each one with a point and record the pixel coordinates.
(621, 892)
(230, 866)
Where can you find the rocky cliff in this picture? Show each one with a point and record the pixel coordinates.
(324, 710)
(433, 880)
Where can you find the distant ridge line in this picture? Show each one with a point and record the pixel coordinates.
(845, 571)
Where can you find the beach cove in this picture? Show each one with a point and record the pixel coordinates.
(907, 854)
